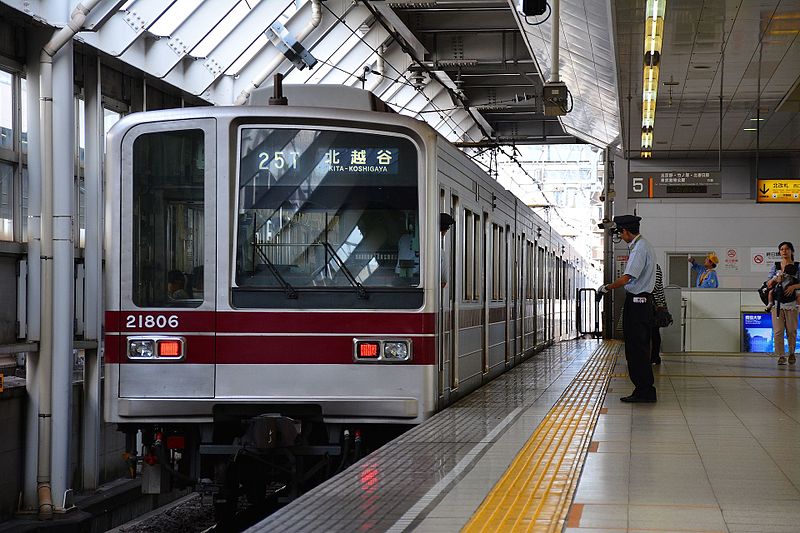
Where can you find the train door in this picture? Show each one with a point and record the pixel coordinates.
(456, 242)
(167, 250)
(485, 272)
(445, 323)
(505, 291)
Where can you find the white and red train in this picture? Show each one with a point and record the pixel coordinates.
(278, 276)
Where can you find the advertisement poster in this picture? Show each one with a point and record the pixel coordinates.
(729, 260)
(757, 334)
(762, 259)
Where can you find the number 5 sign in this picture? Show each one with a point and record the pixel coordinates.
(637, 186)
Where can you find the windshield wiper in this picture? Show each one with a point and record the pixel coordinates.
(287, 288)
(362, 293)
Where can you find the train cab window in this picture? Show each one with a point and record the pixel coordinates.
(168, 210)
(325, 211)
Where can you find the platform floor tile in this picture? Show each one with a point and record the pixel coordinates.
(433, 477)
(718, 452)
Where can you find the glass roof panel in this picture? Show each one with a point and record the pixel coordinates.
(223, 29)
(173, 17)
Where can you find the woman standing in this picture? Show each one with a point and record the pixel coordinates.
(706, 275)
(784, 319)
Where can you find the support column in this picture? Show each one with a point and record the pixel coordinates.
(63, 270)
(30, 499)
(93, 168)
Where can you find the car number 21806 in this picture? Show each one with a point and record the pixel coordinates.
(151, 321)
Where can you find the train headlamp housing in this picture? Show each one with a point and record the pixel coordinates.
(141, 348)
(156, 348)
(381, 350)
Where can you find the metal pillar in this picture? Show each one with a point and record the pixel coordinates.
(63, 270)
(32, 378)
(93, 172)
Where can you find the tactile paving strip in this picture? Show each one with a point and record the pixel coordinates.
(380, 492)
(535, 492)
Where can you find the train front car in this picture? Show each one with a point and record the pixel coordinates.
(272, 285)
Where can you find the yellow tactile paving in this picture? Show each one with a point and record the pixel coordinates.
(535, 492)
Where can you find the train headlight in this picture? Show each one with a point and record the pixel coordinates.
(157, 348)
(396, 350)
(141, 349)
(381, 351)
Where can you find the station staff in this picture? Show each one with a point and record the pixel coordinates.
(637, 314)
(706, 276)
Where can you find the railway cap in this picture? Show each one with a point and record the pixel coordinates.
(629, 222)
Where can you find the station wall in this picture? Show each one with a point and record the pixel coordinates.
(734, 226)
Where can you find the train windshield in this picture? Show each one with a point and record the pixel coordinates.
(327, 209)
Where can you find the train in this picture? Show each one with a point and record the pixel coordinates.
(285, 281)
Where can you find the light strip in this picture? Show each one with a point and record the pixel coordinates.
(653, 38)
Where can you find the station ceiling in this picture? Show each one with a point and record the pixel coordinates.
(474, 69)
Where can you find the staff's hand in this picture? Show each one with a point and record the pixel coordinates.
(602, 289)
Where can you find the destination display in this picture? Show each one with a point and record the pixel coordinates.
(675, 184)
(373, 160)
(778, 191)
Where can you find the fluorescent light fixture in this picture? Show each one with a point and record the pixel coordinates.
(653, 40)
(758, 119)
(751, 129)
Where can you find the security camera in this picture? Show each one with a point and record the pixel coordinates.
(607, 225)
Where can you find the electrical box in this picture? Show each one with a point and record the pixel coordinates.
(554, 96)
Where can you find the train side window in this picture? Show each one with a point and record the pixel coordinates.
(168, 218)
(469, 256)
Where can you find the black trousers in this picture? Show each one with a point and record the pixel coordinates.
(637, 325)
(655, 344)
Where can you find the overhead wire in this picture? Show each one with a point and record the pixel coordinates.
(550, 204)
(448, 119)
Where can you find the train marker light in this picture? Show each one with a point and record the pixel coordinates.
(156, 348)
(169, 348)
(368, 349)
(382, 351)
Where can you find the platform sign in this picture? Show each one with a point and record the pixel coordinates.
(675, 184)
(778, 191)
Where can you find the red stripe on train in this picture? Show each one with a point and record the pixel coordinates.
(294, 349)
(305, 350)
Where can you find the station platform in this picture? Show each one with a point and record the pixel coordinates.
(550, 447)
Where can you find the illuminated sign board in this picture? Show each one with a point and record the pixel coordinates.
(675, 184)
(372, 160)
(757, 334)
(778, 191)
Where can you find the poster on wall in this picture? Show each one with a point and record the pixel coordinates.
(762, 259)
(757, 334)
(729, 260)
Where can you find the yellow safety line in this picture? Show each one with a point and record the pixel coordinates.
(535, 492)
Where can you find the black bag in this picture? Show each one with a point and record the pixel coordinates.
(763, 293)
(662, 317)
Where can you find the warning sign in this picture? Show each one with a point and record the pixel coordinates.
(762, 259)
(730, 261)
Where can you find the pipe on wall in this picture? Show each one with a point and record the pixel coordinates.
(554, 44)
(57, 278)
